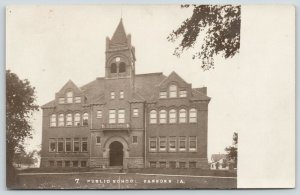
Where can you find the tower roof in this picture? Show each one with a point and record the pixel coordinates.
(119, 34)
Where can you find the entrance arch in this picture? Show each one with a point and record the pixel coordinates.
(116, 154)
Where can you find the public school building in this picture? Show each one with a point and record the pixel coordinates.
(126, 119)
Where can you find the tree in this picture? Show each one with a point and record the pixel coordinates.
(20, 106)
(232, 151)
(221, 25)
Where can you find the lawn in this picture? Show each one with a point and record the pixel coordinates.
(144, 179)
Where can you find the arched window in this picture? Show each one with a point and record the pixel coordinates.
(122, 67)
(182, 116)
(173, 91)
(69, 120)
(61, 120)
(77, 119)
(85, 118)
(163, 116)
(153, 117)
(193, 115)
(53, 120)
(70, 97)
(172, 116)
(113, 68)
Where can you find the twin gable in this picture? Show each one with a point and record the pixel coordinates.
(69, 94)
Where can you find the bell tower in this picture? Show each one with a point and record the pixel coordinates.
(120, 55)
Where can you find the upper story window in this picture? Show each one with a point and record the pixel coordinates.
(193, 115)
(163, 116)
(182, 116)
(163, 94)
(172, 116)
(112, 95)
(84, 144)
(68, 145)
(69, 97)
(77, 100)
(85, 119)
(172, 144)
(61, 100)
(98, 140)
(193, 143)
(182, 143)
(135, 112)
(182, 93)
(53, 120)
(69, 120)
(162, 144)
(77, 119)
(52, 145)
(121, 94)
(60, 145)
(112, 116)
(152, 144)
(113, 68)
(134, 139)
(122, 67)
(173, 91)
(76, 145)
(121, 116)
(61, 120)
(153, 117)
(99, 114)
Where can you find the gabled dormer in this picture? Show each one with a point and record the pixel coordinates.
(69, 94)
(173, 87)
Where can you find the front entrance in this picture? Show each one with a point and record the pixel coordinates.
(115, 154)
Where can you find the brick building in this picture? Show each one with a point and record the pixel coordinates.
(126, 119)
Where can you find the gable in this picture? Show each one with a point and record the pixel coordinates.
(174, 78)
(70, 85)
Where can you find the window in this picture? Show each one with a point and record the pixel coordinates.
(135, 112)
(52, 145)
(112, 116)
(60, 145)
(61, 120)
(172, 144)
(59, 163)
(122, 67)
(182, 93)
(69, 120)
(193, 143)
(172, 164)
(75, 163)
(53, 120)
(163, 116)
(152, 144)
(134, 139)
(172, 116)
(121, 95)
(181, 164)
(51, 163)
(67, 163)
(99, 114)
(83, 163)
(113, 68)
(162, 144)
(68, 145)
(182, 116)
(112, 95)
(153, 117)
(162, 164)
(85, 121)
(152, 164)
(121, 116)
(77, 119)
(193, 115)
(76, 144)
(84, 145)
(61, 100)
(70, 97)
(182, 143)
(77, 100)
(118, 59)
(192, 164)
(173, 91)
(98, 140)
(163, 94)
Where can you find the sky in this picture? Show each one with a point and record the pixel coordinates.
(49, 45)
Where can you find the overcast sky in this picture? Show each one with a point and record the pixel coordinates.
(50, 45)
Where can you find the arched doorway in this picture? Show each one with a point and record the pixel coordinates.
(115, 154)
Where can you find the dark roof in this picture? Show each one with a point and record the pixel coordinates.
(217, 157)
(119, 35)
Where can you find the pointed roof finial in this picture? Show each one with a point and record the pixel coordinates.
(119, 35)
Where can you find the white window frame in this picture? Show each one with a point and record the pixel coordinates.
(69, 120)
(152, 139)
(52, 140)
(192, 139)
(135, 112)
(70, 97)
(77, 99)
(76, 140)
(182, 139)
(112, 116)
(121, 116)
(99, 114)
(112, 95)
(60, 141)
(182, 115)
(121, 95)
(163, 94)
(183, 93)
(53, 120)
(68, 140)
(173, 90)
(61, 120)
(85, 119)
(77, 119)
(163, 120)
(172, 139)
(172, 116)
(61, 100)
(164, 140)
(153, 117)
(193, 115)
(84, 140)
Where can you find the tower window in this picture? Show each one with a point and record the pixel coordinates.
(122, 67)
(113, 68)
(121, 94)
